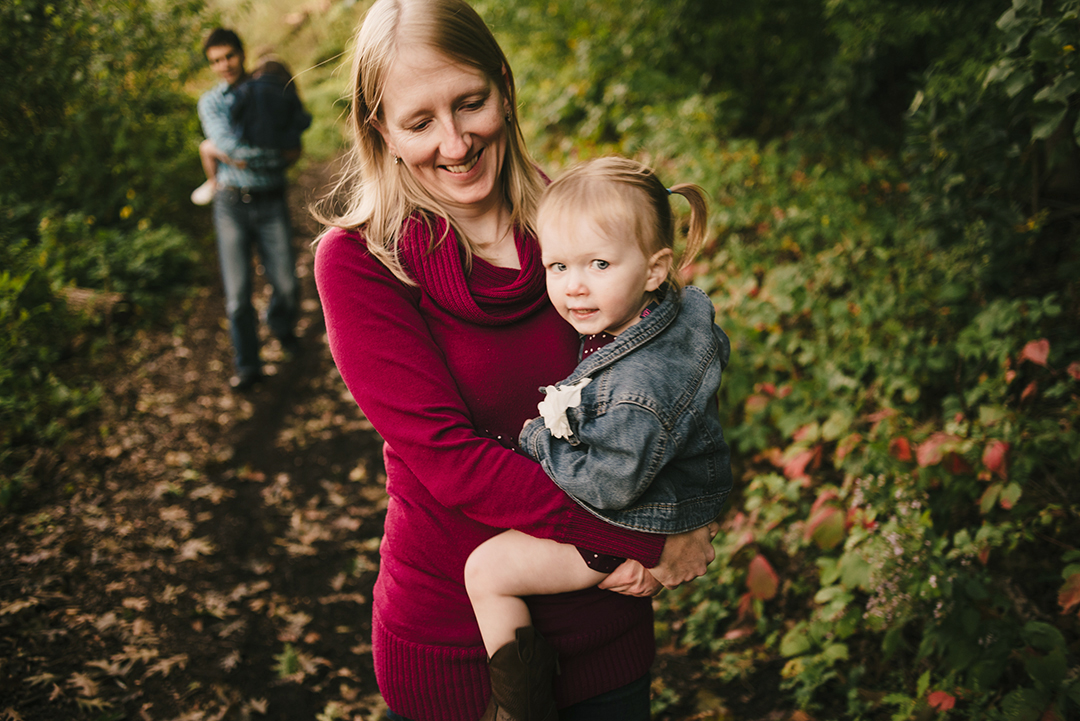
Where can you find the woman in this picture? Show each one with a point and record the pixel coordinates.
(438, 320)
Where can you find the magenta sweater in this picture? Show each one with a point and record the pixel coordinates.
(447, 373)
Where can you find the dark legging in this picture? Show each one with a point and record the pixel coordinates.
(628, 703)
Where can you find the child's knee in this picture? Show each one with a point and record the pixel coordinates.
(478, 568)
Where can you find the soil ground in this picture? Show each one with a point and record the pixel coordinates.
(196, 554)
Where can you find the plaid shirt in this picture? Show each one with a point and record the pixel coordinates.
(265, 167)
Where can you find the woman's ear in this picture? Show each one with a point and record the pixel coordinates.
(385, 135)
(659, 267)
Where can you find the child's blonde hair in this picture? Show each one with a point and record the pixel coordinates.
(625, 199)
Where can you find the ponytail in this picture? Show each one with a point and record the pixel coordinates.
(695, 235)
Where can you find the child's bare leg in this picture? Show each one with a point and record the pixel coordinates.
(514, 564)
(210, 156)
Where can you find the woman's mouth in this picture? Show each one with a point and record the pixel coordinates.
(469, 164)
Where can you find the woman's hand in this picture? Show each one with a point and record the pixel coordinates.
(686, 556)
(632, 579)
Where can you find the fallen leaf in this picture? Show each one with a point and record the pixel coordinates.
(16, 606)
(86, 685)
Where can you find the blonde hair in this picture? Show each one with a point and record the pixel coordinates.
(373, 193)
(625, 199)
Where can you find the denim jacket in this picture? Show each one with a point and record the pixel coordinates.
(645, 449)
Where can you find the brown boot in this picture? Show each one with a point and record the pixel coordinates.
(522, 677)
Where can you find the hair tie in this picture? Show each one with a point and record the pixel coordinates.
(668, 190)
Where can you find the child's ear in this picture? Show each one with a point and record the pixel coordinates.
(659, 267)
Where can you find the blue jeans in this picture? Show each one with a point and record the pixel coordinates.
(628, 703)
(244, 221)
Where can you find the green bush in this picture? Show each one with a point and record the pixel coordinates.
(99, 139)
(99, 87)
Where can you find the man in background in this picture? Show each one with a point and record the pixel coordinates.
(250, 211)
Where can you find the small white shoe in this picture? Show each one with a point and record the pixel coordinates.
(204, 194)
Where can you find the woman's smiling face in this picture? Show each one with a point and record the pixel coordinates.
(447, 123)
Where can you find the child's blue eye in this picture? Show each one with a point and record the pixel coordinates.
(601, 264)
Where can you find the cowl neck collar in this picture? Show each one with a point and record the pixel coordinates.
(489, 295)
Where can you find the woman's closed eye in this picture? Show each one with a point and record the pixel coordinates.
(419, 126)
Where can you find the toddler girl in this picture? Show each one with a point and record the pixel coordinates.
(633, 435)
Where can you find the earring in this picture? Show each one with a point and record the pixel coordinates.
(397, 160)
(509, 115)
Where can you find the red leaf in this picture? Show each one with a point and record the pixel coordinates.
(930, 452)
(762, 579)
(823, 498)
(1074, 370)
(1036, 351)
(796, 467)
(984, 555)
(900, 449)
(784, 392)
(1032, 389)
(1051, 714)
(1009, 376)
(942, 701)
(958, 465)
(755, 404)
(1069, 595)
(994, 458)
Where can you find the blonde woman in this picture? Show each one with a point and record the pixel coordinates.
(433, 292)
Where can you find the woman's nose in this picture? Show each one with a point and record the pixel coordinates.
(454, 145)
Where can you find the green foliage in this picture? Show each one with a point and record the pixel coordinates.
(99, 87)
(145, 264)
(595, 70)
(98, 137)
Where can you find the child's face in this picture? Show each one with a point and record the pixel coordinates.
(598, 284)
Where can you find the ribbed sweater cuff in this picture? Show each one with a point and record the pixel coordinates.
(599, 536)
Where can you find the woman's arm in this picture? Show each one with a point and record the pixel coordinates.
(399, 376)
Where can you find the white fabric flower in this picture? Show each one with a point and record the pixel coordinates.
(556, 401)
